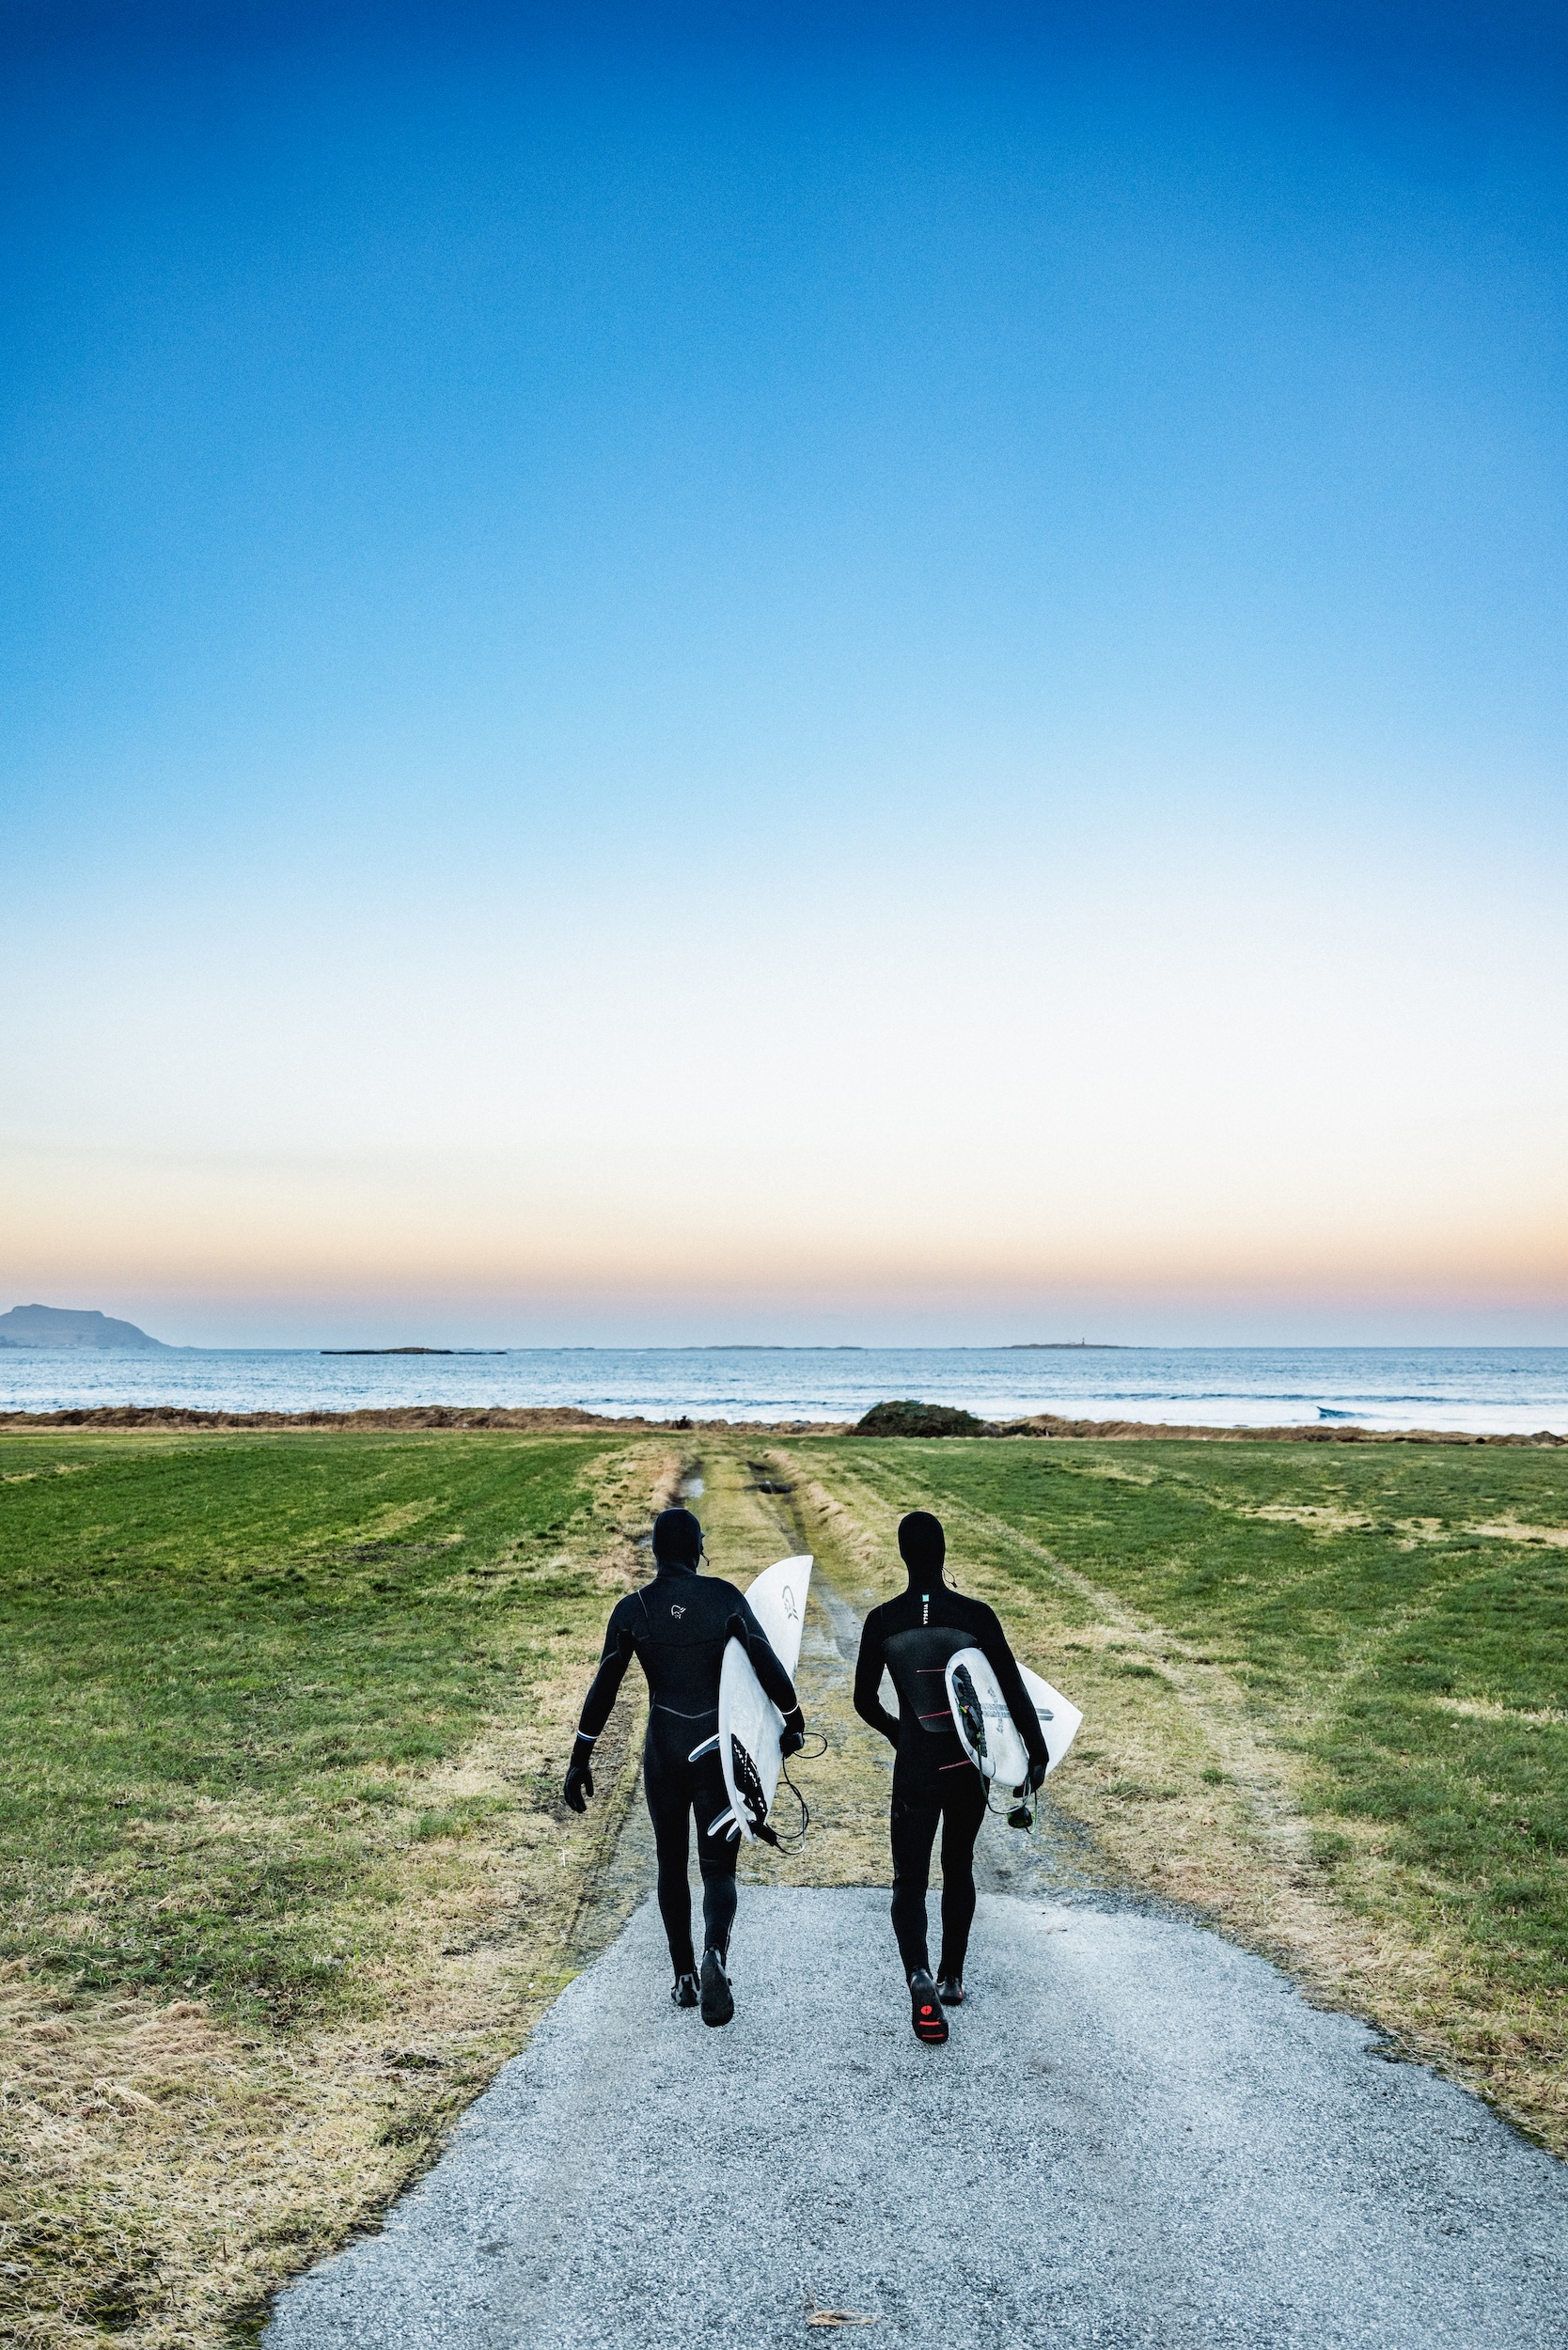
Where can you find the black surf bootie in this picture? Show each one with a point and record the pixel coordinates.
(949, 1989)
(718, 2002)
(686, 1993)
(925, 2009)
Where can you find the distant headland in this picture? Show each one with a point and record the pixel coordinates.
(413, 1349)
(67, 1326)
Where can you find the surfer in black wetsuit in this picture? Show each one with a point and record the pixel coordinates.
(677, 1628)
(934, 1779)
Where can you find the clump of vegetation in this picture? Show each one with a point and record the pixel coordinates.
(910, 1418)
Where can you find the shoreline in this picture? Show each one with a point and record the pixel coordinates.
(1047, 1425)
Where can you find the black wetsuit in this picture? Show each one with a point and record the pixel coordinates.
(934, 1779)
(676, 1627)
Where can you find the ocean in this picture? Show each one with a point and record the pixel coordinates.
(1488, 1389)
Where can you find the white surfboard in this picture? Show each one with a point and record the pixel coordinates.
(995, 1745)
(750, 1722)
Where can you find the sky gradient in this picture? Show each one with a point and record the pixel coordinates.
(749, 673)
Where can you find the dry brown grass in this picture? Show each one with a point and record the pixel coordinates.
(165, 2169)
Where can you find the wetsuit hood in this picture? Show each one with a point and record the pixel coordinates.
(677, 1540)
(922, 1546)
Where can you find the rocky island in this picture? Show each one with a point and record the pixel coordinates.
(70, 1326)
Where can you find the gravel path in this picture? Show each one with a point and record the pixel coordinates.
(1137, 2134)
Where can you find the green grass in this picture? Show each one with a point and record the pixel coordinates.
(1359, 1634)
(230, 1662)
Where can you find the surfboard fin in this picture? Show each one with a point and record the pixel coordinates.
(750, 1788)
(971, 1713)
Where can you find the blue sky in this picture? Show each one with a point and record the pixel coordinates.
(872, 673)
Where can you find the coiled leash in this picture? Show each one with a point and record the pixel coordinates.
(795, 1841)
(750, 1788)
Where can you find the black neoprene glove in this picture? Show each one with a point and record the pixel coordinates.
(1037, 1773)
(579, 1781)
(792, 1736)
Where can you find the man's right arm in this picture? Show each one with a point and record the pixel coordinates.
(618, 1654)
(868, 1667)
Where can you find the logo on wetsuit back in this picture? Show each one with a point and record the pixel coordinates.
(677, 1611)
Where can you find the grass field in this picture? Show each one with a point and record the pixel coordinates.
(284, 1872)
(1327, 1699)
(286, 1876)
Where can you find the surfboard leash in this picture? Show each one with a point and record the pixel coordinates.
(795, 1841)
(1021, 1815)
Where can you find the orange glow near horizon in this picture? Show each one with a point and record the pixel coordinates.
(449, 1243)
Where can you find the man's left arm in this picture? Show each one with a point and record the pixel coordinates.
(993, 1640)
(744, 1626)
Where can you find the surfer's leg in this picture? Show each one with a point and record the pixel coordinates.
(668, 1792)
(716, 1856)
(913, 1831)
(963, 1810)
(718, 1903)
